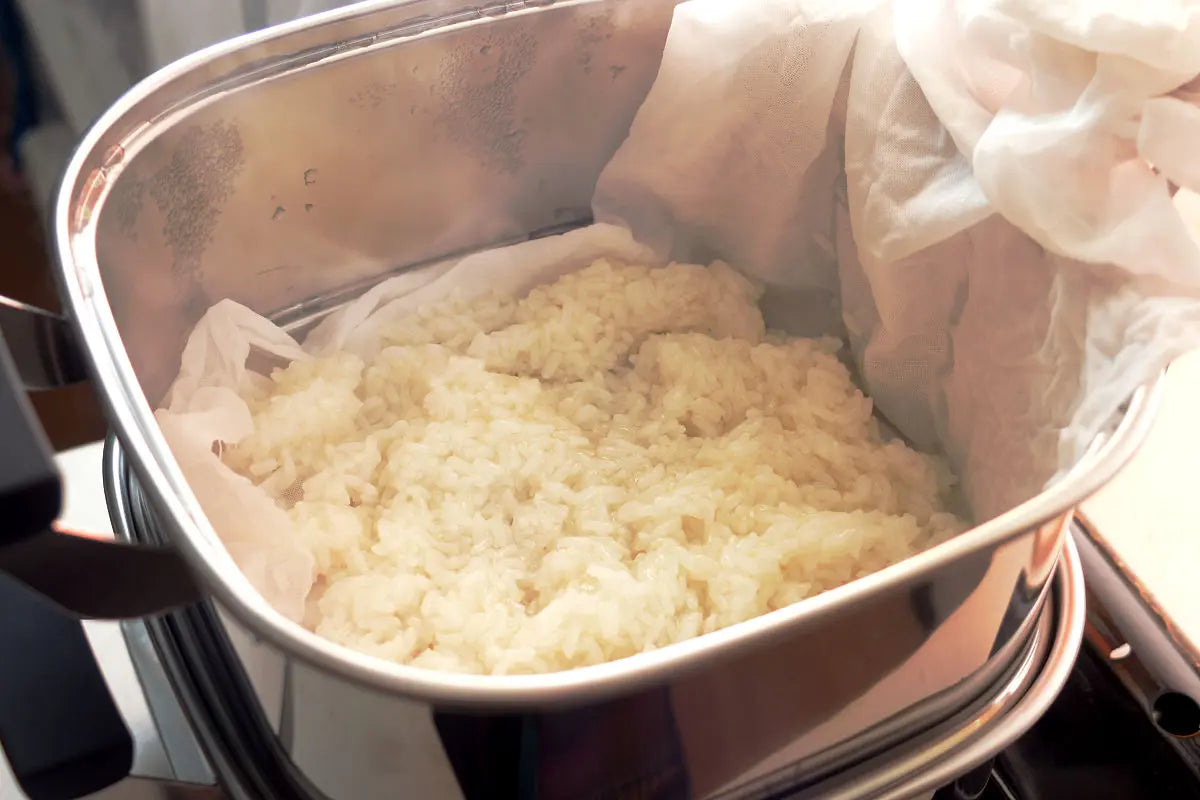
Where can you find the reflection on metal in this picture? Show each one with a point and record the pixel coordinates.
(1119, 652)
(952, 749)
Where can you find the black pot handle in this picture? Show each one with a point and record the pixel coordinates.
(89, 576)
(59, 727)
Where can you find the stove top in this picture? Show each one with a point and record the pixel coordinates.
(1096, 742)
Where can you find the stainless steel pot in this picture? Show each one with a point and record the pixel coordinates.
(293, 168)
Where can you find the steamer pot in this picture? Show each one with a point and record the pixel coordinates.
(294, 168)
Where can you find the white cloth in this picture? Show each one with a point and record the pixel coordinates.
(1009, 261)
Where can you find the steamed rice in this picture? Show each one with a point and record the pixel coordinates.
(620, 460)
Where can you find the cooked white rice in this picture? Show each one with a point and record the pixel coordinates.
(621, 460)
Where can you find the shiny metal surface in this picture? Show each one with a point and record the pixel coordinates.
(935, 758)
(291, 167)
(42, 344)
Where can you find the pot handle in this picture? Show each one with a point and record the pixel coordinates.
(59, 727)
(88, 576)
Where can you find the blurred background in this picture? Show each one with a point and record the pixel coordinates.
(62, 63)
